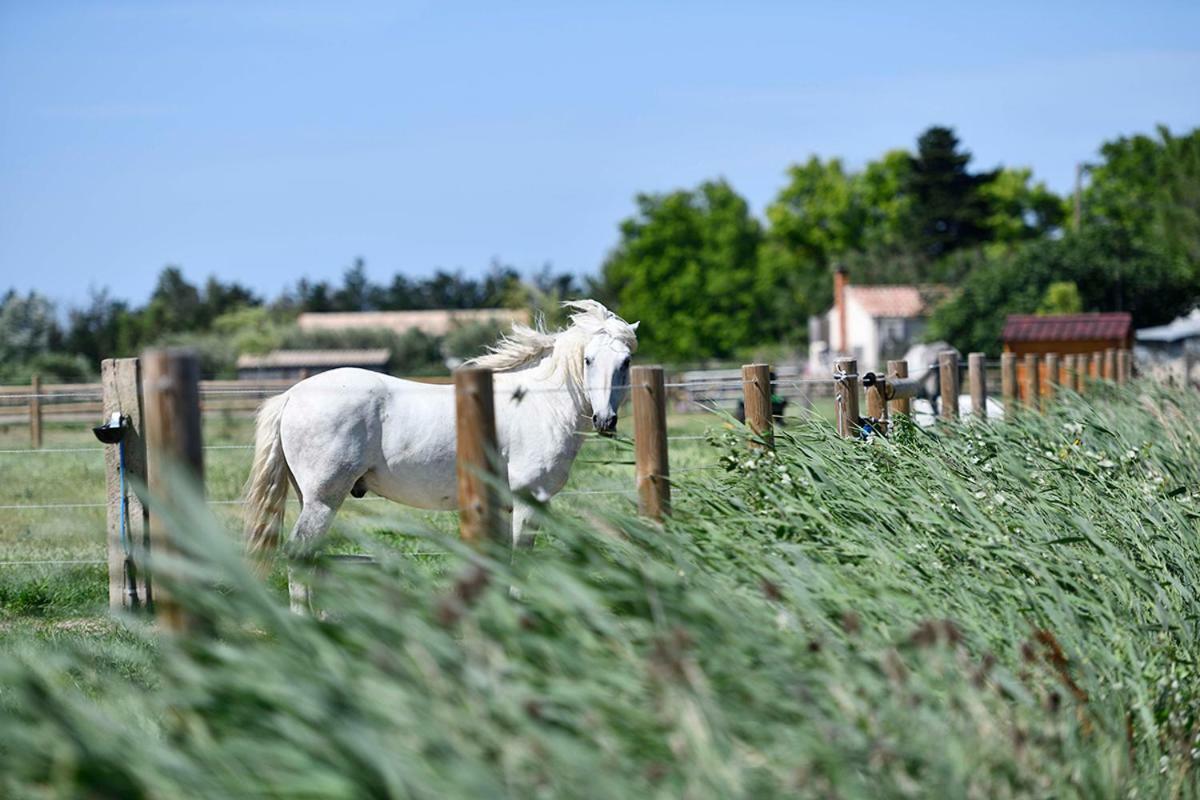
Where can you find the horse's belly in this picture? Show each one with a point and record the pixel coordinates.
(432, 486)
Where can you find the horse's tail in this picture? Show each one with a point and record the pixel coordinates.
(266, 491)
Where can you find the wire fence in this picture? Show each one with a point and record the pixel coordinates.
(707, 394)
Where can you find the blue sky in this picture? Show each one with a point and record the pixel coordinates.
(264, 141)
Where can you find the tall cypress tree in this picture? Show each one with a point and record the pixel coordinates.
(948, 210)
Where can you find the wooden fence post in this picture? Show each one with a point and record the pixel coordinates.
(1110, 364)
(35, 412)
(129, 585)
(1096, 365)
(1123, 366)
(1033, 389)
(877, 409)
(948, 373)
(171, 397)
(1008, 383)
(1066, 371)
(1051, 386)
(653, 472)
(977, 377)
(756, 394)
(1080, 376)
(899, 369)
(481, 516)
(845, 390)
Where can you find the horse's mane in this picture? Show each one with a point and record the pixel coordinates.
(526, 345)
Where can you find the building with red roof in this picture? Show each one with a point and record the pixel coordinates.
(1067, 333)
(870, 323)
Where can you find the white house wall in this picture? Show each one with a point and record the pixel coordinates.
(862, 332)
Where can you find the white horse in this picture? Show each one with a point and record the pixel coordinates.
(352, 431)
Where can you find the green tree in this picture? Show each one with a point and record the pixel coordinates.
(1061, 297)
(948, 208)
(1020, 209)
(357, 292)
(816, 217)
(687, 265)
(1177, 209)
(1150, 189)
(174, 306)
(27, 326)
(826, 214)
(1108, 271)
(101, 329)
(887, 207)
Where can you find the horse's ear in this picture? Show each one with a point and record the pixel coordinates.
(634, 325)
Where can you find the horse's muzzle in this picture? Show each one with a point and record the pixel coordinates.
(605, 425)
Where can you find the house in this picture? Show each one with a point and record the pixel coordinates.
(437, 322)
(1172, 340)
(1171, 352)
(299, 364)
(1067, 334)
(870, 323)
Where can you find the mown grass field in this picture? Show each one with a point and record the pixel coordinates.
(1006, 610)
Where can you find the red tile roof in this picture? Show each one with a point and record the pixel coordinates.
(889, 301)
(1066, 327)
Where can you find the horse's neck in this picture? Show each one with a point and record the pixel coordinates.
(549, 386)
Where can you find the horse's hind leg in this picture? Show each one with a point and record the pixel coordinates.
(315, 518)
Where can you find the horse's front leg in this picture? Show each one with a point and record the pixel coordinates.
(523, 526)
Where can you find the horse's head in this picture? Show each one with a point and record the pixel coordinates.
(611, 342)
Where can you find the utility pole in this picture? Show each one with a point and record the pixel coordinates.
(1079, 167)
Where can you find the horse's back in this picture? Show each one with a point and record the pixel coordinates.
(397, 436)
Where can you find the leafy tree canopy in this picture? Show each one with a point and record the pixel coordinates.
(687, 264)
(1108, 272)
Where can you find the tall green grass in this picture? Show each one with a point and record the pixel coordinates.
(989, 611)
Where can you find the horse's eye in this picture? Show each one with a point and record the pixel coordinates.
(587, 360)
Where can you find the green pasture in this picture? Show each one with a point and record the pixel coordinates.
(1004, 610)
(48, 526)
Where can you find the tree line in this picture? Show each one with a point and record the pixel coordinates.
(224, 319)
(714, 281)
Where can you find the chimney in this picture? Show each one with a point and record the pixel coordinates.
(839, 305)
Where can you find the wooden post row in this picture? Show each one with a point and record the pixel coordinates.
(899, 369)
(1052, 378)
(35, 412)
(129, 584)
(948, 370)
(756, 392)
(652, 469)
(1008, 383)
(1123, 366)
(171, 397)
(480, 474)
(1033, 388)
(845, 389)
(977, 377)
